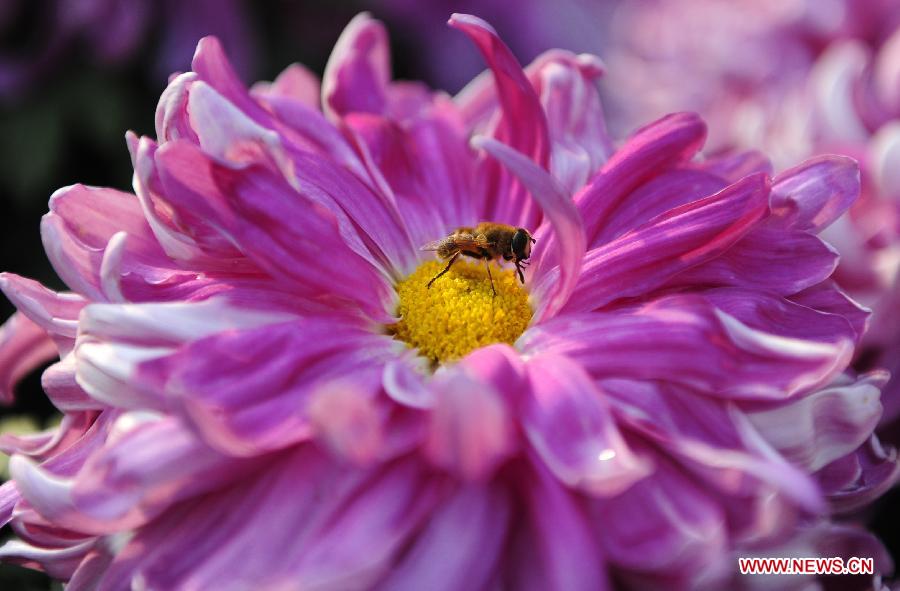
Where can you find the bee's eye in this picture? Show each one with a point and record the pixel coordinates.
(519, 244)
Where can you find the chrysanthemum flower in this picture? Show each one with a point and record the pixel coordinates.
(811, 78)
(262, 392)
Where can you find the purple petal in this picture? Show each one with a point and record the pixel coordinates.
(280, 229)
(461, 545)
(662, 145)
(248, 391)
(715, 443)
(556, 550)
(570, 426)
(784, 350)
(785, 261)
(665, 525)
(733, 166)
(334, 529)
(814, 194)
(877, 469)
(686, 236)
(828, 297)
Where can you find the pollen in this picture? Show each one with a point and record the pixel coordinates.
(459, 313)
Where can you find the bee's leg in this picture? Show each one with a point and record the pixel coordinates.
(487, 265)
(447, 268)
(519, 271)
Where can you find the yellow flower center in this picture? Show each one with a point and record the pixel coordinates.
(459, 313)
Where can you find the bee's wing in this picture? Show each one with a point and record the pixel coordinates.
(435, 245)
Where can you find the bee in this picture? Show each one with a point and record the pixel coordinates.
(487, 241)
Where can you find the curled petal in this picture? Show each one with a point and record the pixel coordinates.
(826, 425)
(566, 85)
(56, 313)
(212, 66)
(522, 125)
(873, 469)
(358, 71)
(23, 347)
(814, 194)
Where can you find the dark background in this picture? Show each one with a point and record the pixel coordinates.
(64, 110)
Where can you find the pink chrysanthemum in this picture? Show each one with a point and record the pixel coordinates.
(794, 78)
(245, 409)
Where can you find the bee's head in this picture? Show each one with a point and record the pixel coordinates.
(521, 244)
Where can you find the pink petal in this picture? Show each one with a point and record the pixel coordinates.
(347, 421)
(358, 71)
(23, 347)
(667, 190)
(566, 85)
(79, 226)
(61, 387)
(295, 83)
(213, 67)
(717, 445)
(56, 313)
(147, 465)
(522, 125)
(471, 431)
(116, 339)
